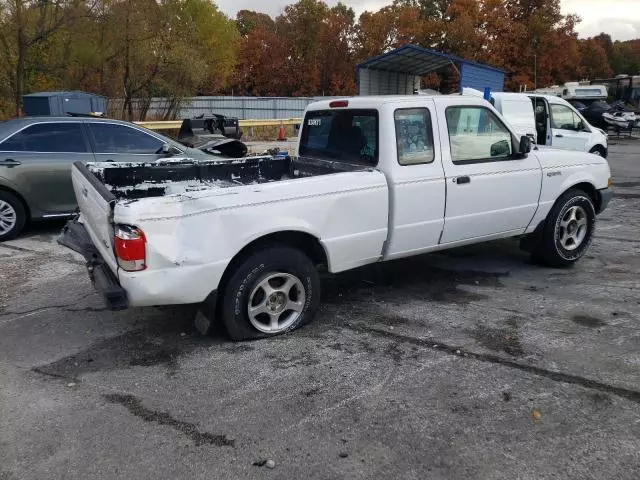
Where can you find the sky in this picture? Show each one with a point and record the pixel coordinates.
(618, 18)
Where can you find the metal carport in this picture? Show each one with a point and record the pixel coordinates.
(399, 71)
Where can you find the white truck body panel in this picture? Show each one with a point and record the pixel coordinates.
(198, 235)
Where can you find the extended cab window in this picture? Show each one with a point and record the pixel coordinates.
(349, 135)
(563, 118)
(414, 136)
(476, 135)
(113, 138)
(47, 137)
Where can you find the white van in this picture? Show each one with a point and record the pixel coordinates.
(549, 120)
(552, 121)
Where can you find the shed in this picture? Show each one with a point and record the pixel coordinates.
(399, 71)
(57, 104)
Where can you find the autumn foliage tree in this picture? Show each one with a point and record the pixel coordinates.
(135, 50)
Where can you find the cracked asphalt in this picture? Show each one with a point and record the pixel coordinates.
(469, 364)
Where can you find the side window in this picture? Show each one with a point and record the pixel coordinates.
(476, 134)
(113, 138)
(414, 136)
(563, 118)
(63, 137)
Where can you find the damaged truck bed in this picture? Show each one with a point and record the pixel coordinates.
(131, 181)
(194, 217)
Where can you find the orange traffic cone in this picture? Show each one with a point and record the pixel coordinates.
(282, 134)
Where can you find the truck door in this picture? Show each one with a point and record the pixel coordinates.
(491, 190)
(567, 129)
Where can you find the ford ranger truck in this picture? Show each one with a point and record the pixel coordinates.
(373, 179)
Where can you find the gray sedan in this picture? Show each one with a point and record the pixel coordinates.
(36, 154)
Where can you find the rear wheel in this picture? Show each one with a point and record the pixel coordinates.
(568, 230)
(273, 291)
(13, 216)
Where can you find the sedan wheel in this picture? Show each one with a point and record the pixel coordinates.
(8, 218)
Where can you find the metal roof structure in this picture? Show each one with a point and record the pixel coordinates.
(405, 65)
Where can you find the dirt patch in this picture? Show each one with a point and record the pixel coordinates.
(626, 184)
(601, 400)
(285, 362)
(504, 340)
(630, 196)
(135, 407)
(239, 348)
(588, 321)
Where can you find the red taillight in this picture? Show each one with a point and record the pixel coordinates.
(339, 104)
(130, 246)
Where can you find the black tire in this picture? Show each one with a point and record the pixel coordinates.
(550, 250)
(251, 273)
(20, 215)
(599, 150)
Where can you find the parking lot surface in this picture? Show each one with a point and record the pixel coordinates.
(470, 364)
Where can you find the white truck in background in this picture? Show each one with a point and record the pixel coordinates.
(374, 179)
(550, 120)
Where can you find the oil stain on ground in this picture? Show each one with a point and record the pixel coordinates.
(504, 340)
(161, 341)
(135, 407)
(588, 321)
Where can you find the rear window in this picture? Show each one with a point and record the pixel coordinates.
(349, 135)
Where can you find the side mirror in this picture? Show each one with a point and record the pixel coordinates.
(525, 145)
(166, 149)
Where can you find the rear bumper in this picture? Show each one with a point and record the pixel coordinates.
(75, 237)
(606, 194)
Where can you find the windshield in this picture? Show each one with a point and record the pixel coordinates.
(348, 135)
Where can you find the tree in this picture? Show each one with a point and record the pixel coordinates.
(593, 59)
(25, 26)
(248, 20)
(388, 28)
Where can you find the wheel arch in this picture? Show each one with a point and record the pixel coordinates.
(588, 188)
(533, 237)
(307, 243)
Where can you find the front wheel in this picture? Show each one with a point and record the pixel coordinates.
(598, 150)
(568, 230)
(273, 291)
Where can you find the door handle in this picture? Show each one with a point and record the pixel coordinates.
(9, 162)
(463, 180)
(559, 135)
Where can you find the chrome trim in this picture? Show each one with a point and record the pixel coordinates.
(57, 215)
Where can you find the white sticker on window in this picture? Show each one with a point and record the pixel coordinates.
(314, 122)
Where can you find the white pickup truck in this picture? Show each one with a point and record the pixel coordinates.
(374, 179)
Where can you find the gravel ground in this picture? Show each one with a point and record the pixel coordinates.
(468, 364)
